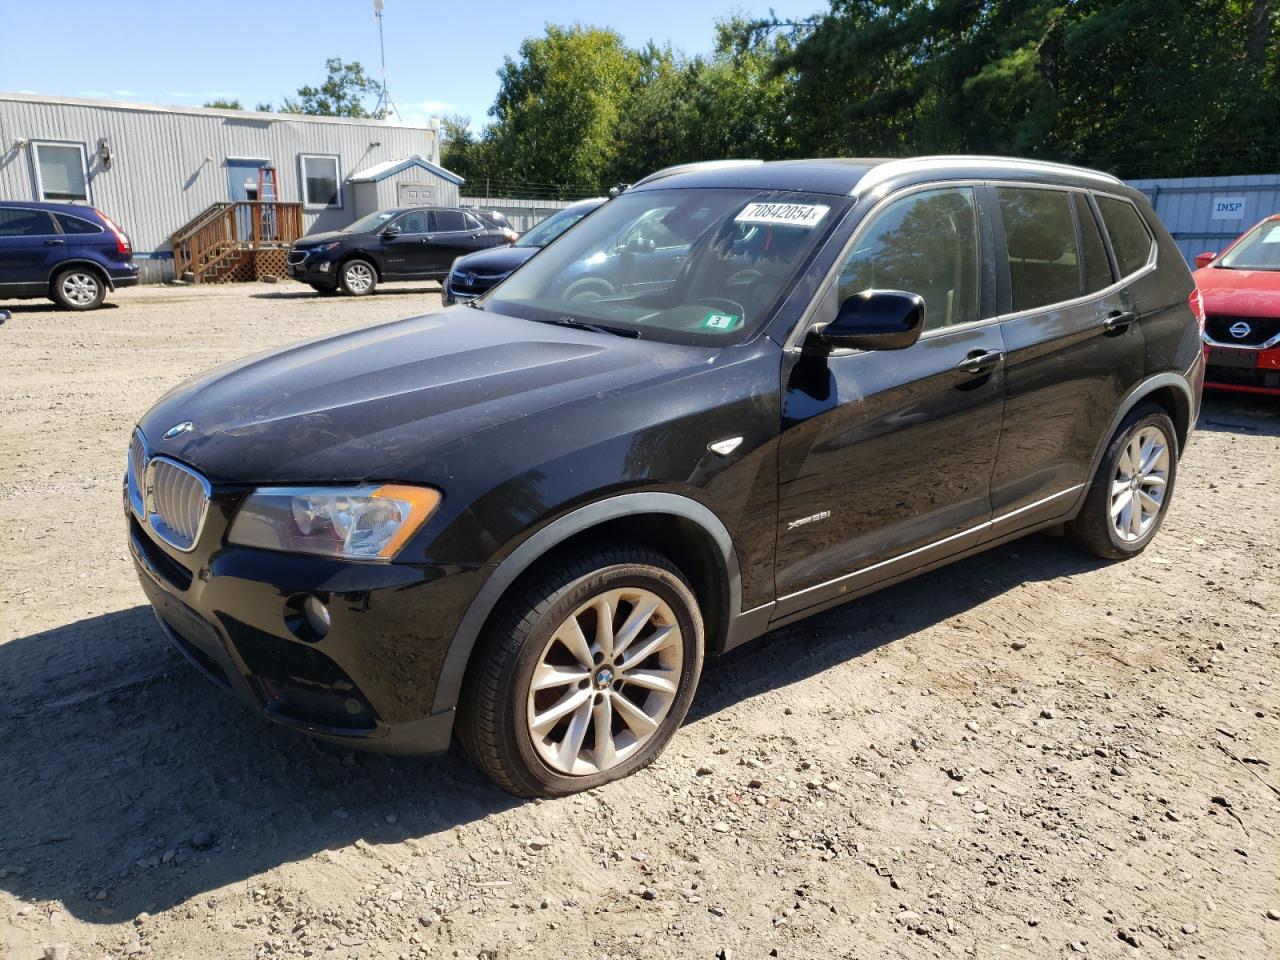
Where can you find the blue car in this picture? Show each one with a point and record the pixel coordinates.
(70, 253)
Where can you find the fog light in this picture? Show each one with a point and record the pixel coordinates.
(317, 615)
(324, 268)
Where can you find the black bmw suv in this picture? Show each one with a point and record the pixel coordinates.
(418, 243)
(527, 520)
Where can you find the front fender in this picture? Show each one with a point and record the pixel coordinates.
(570, 524)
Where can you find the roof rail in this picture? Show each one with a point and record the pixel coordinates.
(885, 171)
(690, 167)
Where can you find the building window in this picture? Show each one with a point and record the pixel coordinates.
(320, 185)
(60, 172)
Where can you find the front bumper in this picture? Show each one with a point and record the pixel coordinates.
(1242, 369)
(368, 683)
(312, 270)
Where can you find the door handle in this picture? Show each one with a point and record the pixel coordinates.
(55, 243)
(1118, 320)
(981, 361)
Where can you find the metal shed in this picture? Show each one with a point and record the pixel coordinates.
(411, 182)
(164, 173)
(1207, 213)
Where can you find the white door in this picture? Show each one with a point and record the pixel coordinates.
(413, 194)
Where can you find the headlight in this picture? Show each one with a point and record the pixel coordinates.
(369, 522)
(326, 247)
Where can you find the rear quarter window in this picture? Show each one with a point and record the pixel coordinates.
(71, 224)
(1130, 239)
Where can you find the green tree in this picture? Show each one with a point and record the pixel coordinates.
(559, 104)
(224, 104)
(343, 93)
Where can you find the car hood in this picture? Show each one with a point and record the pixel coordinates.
(315, 239)
(379, 403)
(494, 261)
(1247, 293)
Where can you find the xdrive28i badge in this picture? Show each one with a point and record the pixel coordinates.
(177, 430)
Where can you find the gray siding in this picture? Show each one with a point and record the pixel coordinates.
(1186, 206)
(169, 164)
(523, 214)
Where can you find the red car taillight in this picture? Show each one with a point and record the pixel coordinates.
(122, 242)
(1196, 302)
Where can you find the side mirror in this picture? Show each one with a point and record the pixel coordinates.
(872, 320)
(390, 232)
(1204, 259)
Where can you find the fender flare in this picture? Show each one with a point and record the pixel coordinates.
(577, 521)
(1139, 393)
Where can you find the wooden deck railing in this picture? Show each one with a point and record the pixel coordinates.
(225, 228)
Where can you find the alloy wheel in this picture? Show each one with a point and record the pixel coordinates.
(80, 288)
(1139, 485)
(359, 277)
(605, 681)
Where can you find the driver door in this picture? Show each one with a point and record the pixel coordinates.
(886, 456)
(406, 254)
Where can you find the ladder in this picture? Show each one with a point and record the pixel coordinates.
(268, 197)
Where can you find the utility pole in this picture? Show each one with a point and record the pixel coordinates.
(384, 97)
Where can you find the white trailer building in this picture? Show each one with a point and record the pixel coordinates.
(189, 178)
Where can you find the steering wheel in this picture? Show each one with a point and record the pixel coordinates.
(744, 277)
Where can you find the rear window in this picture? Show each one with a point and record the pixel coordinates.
(25, 223)
(1097, 268)
(71, 224)
(1130, 238)
(1040, 232)
(448, 220)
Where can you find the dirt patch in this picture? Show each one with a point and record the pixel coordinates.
(1030, 753)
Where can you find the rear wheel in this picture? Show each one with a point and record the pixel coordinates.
(79, 289)
(1131, 491)
(358, 277)
(585, 676)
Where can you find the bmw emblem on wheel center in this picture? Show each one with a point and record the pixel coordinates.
(177, 430)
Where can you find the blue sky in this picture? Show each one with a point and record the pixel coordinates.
(442, 57)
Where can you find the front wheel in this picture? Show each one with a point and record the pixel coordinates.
(585, 676)
(1131, 491)
(358, 277)
(79, 289)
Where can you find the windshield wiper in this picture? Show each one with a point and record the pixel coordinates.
(570, 321)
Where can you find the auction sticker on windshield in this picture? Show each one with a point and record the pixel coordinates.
(796, 214)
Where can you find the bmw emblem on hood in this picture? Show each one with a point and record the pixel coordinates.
(177, 430)
(1240, 330)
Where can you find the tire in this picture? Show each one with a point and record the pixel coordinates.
(358, 277)
(588, 289)
(1106, 524)
(502, 722)
(79, 288)
(323, 290)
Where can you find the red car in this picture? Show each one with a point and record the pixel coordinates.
(1241, 291)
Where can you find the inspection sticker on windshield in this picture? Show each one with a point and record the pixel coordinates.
(721, 321)
(797, 214)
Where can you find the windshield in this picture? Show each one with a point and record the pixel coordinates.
(683, 266)
(370, 223)
(1259, 249)
(552, 227)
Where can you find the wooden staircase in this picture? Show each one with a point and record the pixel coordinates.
(237, 240)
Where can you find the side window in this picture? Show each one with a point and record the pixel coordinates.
(1040, 233)
(1097, 268)
(1130, 238)
(925, 243)
(448, 221)
(60, 171)
(414, 222)
(76, 225)
(473, 223)
(25, 223)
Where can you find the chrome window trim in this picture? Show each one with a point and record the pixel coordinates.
(793, 342)
(985, 525)
(204, 508)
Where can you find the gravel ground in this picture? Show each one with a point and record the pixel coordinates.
(1028, 754)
